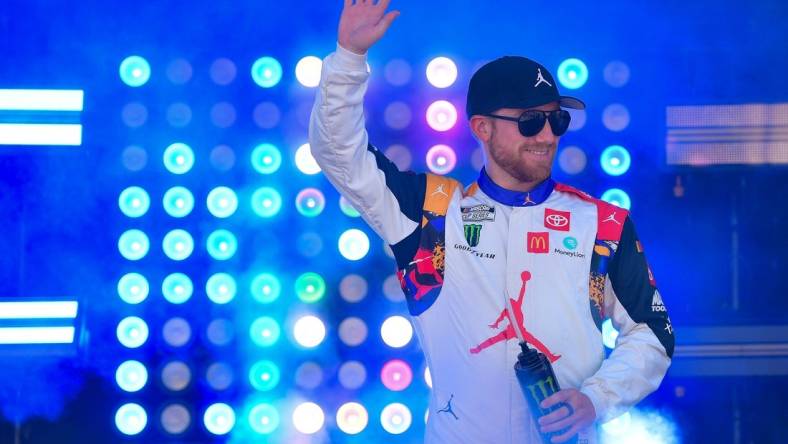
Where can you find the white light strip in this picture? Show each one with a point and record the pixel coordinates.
(40, 134)
(41, 99)
(39, 310)
(36, 335)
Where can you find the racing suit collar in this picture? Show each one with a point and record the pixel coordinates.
(515, 198)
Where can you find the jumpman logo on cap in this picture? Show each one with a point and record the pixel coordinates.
(540, 79)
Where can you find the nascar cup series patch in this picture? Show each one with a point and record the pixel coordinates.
(478, 213)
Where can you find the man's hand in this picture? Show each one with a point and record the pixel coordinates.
(364, 23)
(581, 415)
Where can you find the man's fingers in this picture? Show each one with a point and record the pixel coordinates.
(384, 4)
(561, 424)
(556, 398)
(557, 415)
(387, 19)
(567, 435)
(348, 3)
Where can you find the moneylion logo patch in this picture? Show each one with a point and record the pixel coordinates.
(472, 234)
(570, 242)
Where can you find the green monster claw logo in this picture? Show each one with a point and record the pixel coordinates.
(472, 233)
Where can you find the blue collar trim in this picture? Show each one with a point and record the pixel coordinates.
(515, 198)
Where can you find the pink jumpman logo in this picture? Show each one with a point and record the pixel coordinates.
(509, 333)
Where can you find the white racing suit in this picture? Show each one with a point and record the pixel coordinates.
(567, 261)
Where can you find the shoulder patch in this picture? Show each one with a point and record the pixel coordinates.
(438, 194)
(610, 218)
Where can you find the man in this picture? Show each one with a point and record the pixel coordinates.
(514, 255)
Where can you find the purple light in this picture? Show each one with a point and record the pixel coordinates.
(441, 115)
(396, 375)
(441, 159)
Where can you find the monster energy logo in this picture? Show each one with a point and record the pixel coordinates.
(540, 390)
(472, 233)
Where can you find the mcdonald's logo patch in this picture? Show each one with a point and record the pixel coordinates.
(472, 234)
(538, 242)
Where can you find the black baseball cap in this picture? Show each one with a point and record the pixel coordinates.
(514, 82)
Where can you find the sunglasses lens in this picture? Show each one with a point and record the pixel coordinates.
(559, 121)
(531, 123)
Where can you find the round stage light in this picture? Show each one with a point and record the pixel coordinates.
(265, 288)
(266, 72)
(266, 158)
(264, 375)
(396, 331)
(133, 288)
(309, 331)
(304, 160)
(220, 376)
(617, 197)
(441, 72)
(176, 332)
(176, 376)
(347, 208)
(310, 287)
(175, 419)
(265, 331)
(616, 74)
(353, 288)
(264, 418)
(178, 202)
(615, 117)
(307, 71)
(219, 418)
(572, 73)
(615, 160)
(134, 71)
(572, 160)
(133, 244)
(132, 332)
(177, 288)
(353, 331)
(396, 375)
(396, 418)
(221, 288)
(131, 376)
(308, 418)
(310, 202)
(222, 202)
(131, 419)
(221, 245)
(220, 332)
(178, 158)
(266, 202)
(441, 159)
(352, 418)
(352, 375)
(178, 245)
(353, 244)
(134, 202)
(309, 376)
(427, 377)
(441, 115)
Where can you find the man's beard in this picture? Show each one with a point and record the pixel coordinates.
(511, 162)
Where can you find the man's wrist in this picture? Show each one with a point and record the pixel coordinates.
(350, 59)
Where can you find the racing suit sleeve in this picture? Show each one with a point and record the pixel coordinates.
(389, 200)
(644, 346)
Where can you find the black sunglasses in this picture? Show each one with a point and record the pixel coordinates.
(531, 121)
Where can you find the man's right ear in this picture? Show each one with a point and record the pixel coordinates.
(480, 126)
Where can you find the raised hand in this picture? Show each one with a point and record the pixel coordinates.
(363, 23)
